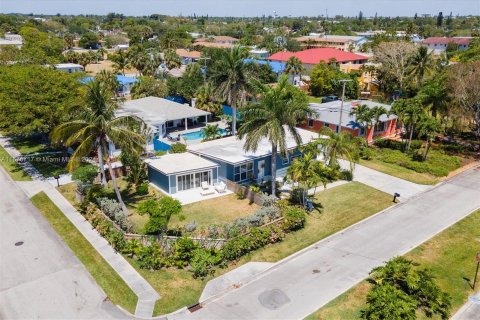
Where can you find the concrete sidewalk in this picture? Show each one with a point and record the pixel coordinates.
(470, 310)
(304, 282)
(147, 296)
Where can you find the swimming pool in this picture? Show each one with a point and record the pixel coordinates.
(196, 135)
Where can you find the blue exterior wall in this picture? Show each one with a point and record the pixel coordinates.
(173, 184)
(158, 178)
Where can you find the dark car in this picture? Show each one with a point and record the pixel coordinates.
(329, 99)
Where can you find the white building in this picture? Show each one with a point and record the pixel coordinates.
(69, 67)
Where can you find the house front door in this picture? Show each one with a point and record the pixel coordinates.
(260, 169)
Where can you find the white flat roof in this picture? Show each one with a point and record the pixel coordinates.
(154, 110)
(231, 149)
(68, 65)
(180, 162)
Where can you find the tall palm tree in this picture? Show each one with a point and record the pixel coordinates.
(210, 132)
(294, 66)
(377, 112)
(109, 80)
(429, 127)
(338, 145)
(422, 64)
(363, 116)
(206, 99)
(232, 79)
(120, 61)
(279, 110)
(409, 111)
(172, 60)
(95, 126)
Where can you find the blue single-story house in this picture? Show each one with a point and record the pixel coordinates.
(125, 83)
(221, 160)
(277, 66)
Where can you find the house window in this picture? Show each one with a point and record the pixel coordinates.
(310, 123)
(380, 127)
(193, 180)
(169, 124)
(336, 129)
(285, 160)
(326, 124)
(362, 131)
(243, 171)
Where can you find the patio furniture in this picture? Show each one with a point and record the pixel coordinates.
(205, 185)
(221, 187)
(208, 191)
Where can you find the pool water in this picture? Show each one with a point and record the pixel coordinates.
(197, 135)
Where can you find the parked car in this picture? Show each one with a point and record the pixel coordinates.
(329, 99)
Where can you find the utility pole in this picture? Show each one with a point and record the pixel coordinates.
(204, 68)
(344, 81)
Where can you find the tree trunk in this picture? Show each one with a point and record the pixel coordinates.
(274, 168)
(410, 138)
(234, 117)
(115, 186)
(425, 153)
(102, 167)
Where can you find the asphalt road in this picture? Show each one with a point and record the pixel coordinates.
(40, 278)
(304, 282)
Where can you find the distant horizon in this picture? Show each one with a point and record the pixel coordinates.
(243, 8)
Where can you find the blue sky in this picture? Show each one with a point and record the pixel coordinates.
(243, 7)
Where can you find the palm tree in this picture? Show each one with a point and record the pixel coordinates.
(210, 132)
(279, 110)
(120, 61)
(363, 116)
(422, 64)
(429, 127)
(338, 145)
(232, 79)
(206, 99)
(377, 112)
(71, 56)
(408, 112)
(95, 126)
(172, 60)
(84, 59)
(109, 80)
(294, 66)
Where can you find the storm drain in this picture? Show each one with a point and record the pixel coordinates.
(194, 307)
(19, 243)
(273, 299)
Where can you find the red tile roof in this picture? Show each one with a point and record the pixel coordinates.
(314, 56)
(444, 40)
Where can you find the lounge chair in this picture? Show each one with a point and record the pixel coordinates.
(205, 185)
(221, 187)
(206, 192)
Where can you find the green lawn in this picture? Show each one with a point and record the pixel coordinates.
(178, 288)
(50, 165)
(213, 211)
(29, 145)
(115, 288)
(314, 99)
(13, 168)
(450, 255)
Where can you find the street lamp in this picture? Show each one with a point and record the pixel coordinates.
(344, 81)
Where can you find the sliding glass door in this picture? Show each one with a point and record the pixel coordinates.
(193, 180)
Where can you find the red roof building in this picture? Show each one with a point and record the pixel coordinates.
(312, 57)
(438, 45)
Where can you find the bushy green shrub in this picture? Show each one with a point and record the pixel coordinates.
(142, 189)
(183, 251)
(295, 219)
(160, 212)
(346, 175)
(178, 148)
(85, 173)
(204, 261)
(150, 257)
(97, 191)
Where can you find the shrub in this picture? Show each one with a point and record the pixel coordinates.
(160, 212)
(142, 189)
(85, 173)
(295, 219)
(178, 148)
(366, 153)
(268, 200)
(109, 206)
(346, 175)
(117, 240)
(190, 227)
(150, 257)
(236, 247)
(97, 191)
(203, 262)
(183, 251)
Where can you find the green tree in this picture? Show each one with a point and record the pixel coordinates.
(429, 127)
(89, 40)
(84, 59)
(324, 80)
(402, 283)
(35, 99)
(109, 80)
(232, 79)
(293, 67)
(160, 212)
(172, 60)
(409, 111)
(434, 93)
(148, 87)
(120, 61)
(191, 80)
(137, 168)
(338, 145)
(40, 47)
(206, 99)
(210, 132)
(279, 110)
(422, 64)
(363, 116)
(94, 126)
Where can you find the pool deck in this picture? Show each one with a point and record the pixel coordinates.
(174, 133)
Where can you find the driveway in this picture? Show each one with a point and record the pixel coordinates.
(40, 278)
(307, 280)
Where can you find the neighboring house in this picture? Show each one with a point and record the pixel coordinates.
(328, 115)
(225, 42)
(11, 39)
(311, 57)
(344, 43)
(69, 67)
(163, 116)
(188, 56)
(259, 53)
(125, 83)
(241, 166)
(438, 45)
(178, 172)
(277, 67)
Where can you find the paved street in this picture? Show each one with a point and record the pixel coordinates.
(304, 282)
(40, 278)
